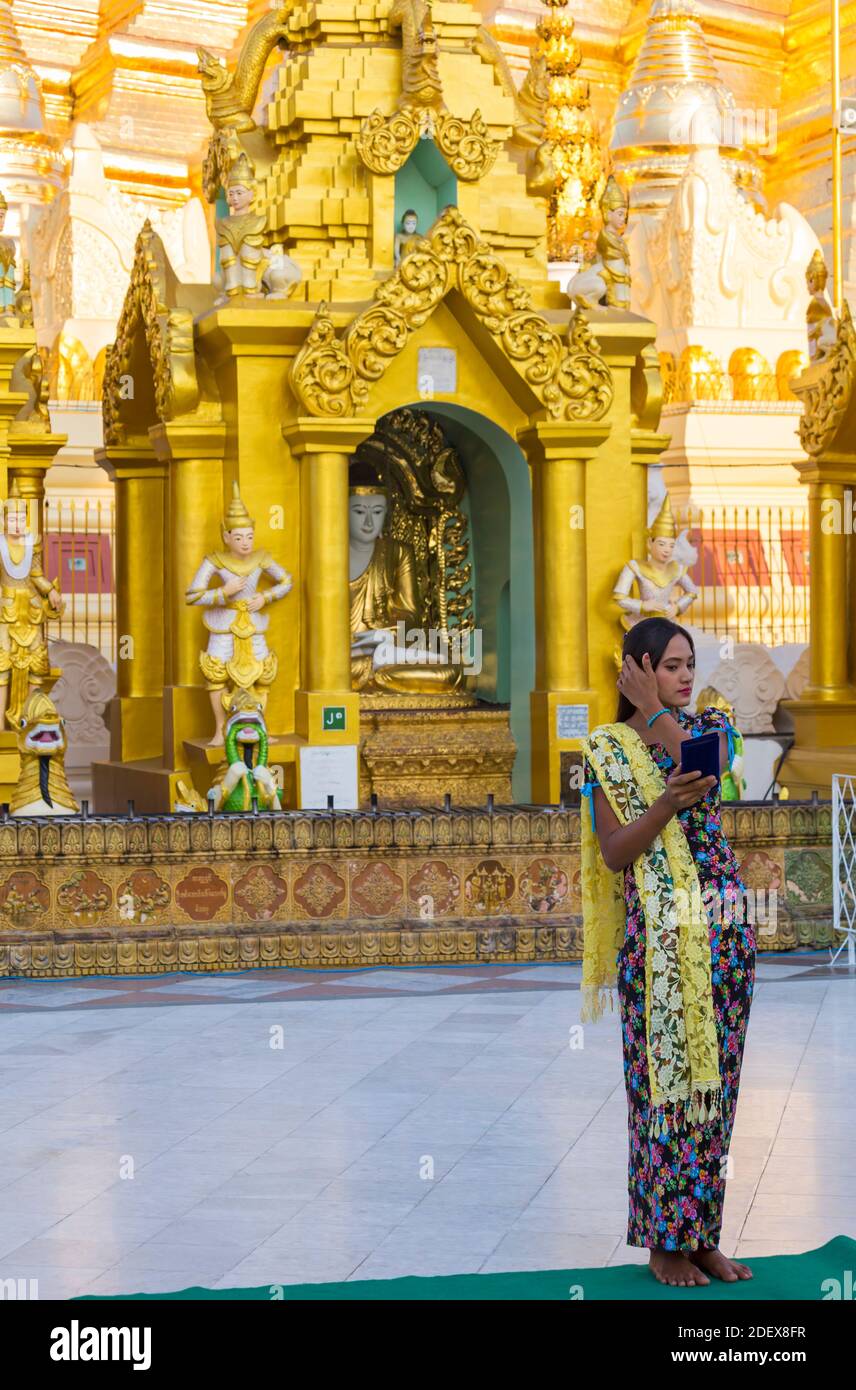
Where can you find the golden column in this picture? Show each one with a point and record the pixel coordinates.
(192, 452)
(828, 663)
(14, 343)
(324, 447)
(136, 731)
(825, 714)
(563, 706)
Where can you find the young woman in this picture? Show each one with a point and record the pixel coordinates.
(661, 888)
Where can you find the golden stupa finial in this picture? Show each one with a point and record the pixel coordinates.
(236, 513)
(675, 103)
(664, 522)
(572, 136)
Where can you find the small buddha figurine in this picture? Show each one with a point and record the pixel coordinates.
(7, 266)
(607, 279)
(819, 315)
(408, 232)
(384, 592)
(240, 237)
(28, 601)
(237, 655)
(658, 580)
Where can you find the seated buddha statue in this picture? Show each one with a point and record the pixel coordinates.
(390, 643)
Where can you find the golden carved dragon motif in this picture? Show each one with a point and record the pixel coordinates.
(231, 96)
(828, 399)
(332, 376)
(169, 338)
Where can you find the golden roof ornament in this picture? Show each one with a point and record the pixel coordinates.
(236, 513)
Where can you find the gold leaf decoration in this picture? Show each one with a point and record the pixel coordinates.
(467, 146)
(384, 143)
(332, 376)
(169, 339)
(828, 399)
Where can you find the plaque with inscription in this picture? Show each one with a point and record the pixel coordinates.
(328, 772)
(572, 721)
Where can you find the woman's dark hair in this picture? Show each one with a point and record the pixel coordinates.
(653, 636)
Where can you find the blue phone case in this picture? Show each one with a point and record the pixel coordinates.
(701, 755)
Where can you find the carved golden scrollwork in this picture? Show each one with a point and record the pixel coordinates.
(333, 376)
(385, 142)
(828, 399)
(169, 339)
(467, 146)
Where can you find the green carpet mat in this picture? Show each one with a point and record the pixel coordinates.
(776, 1278)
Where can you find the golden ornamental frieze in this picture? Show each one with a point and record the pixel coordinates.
(828, 399)
(169, 339)
(386, 142)
(333, 376)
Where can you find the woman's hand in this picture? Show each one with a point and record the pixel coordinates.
(639, 684)
(684, 789)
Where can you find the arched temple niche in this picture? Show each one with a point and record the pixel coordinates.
(426, 184)
(499, 504)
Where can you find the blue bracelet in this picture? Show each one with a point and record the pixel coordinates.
(655, 717)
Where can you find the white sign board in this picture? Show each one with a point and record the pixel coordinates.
(437, 370)
(572, 721)
(330, 771)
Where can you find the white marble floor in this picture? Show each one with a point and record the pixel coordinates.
(257, 1129)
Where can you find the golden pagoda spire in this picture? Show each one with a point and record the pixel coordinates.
(676, 101)
(570, 127)
(21, 106)
(31, 168)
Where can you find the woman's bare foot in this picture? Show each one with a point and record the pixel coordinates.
(719, 1265)
(671, 1267)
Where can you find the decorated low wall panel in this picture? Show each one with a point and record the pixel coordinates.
(147, 894)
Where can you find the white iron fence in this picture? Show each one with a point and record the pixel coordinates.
(844, 863)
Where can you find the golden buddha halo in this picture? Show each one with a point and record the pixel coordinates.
(236, 513)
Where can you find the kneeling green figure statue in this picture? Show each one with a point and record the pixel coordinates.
(245, 775)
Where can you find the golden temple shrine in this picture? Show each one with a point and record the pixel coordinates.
(450, 398)
(507, 434)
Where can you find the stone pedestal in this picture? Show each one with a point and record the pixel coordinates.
(413, 752)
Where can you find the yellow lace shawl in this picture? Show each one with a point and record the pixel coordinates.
(683, 1054)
